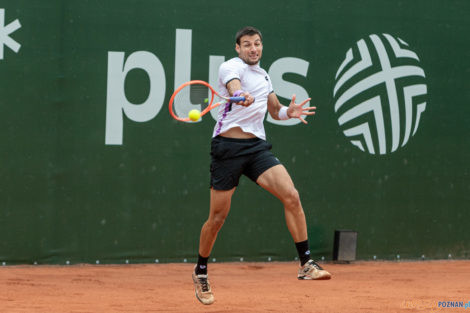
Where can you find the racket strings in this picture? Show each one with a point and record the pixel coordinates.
(195, 94)
(192, 95)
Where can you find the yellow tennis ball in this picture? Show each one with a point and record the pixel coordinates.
(194, 115)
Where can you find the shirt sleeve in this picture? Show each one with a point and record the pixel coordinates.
(270, 86)
(228, 71)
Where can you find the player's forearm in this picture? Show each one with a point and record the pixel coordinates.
(233, 86)
(274, 107)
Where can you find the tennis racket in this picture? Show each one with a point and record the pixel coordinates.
(200, 92)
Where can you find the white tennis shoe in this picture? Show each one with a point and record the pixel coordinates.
(312, 270)
(203, 289)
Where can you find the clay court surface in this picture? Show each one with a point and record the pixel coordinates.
(238, 287)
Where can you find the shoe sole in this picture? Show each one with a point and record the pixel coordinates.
(309, 278)
(324, 276)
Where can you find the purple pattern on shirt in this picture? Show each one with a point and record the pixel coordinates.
(226, 109)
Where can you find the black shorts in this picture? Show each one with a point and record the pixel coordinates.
(233, 157)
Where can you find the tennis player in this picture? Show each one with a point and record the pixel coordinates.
(239, 147)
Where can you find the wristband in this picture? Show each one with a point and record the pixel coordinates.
(283, 114)
(237, 93)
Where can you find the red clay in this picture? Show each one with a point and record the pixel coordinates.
(238, 287)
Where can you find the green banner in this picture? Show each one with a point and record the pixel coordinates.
(94, 168)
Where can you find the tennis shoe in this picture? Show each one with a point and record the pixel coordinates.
(312, 270)
(203, 289)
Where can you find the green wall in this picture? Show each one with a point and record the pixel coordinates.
(86, 175)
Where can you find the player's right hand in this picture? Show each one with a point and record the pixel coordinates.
(248, 99)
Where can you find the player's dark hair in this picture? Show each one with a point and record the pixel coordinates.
(247, 30)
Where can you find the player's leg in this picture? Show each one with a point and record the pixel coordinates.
(225, 173)
(219, 208)
(278, 182)
(226, 169)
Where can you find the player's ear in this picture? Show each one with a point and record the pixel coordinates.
(237, 48)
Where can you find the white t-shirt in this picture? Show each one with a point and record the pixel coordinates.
(254, 80)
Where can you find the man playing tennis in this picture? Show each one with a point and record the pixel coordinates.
(239, 147)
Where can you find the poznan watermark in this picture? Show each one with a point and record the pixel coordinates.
(433, 305)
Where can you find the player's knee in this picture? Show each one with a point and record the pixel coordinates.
(217, 221)
(292, 199)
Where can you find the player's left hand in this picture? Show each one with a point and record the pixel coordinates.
(297, 110)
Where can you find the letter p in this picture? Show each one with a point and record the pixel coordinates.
(116, 101)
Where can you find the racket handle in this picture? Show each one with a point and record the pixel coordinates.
(236, 99)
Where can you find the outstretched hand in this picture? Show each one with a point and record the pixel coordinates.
(297, 110)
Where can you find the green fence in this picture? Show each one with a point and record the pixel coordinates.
(94, 168)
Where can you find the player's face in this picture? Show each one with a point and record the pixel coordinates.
(250, 49)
